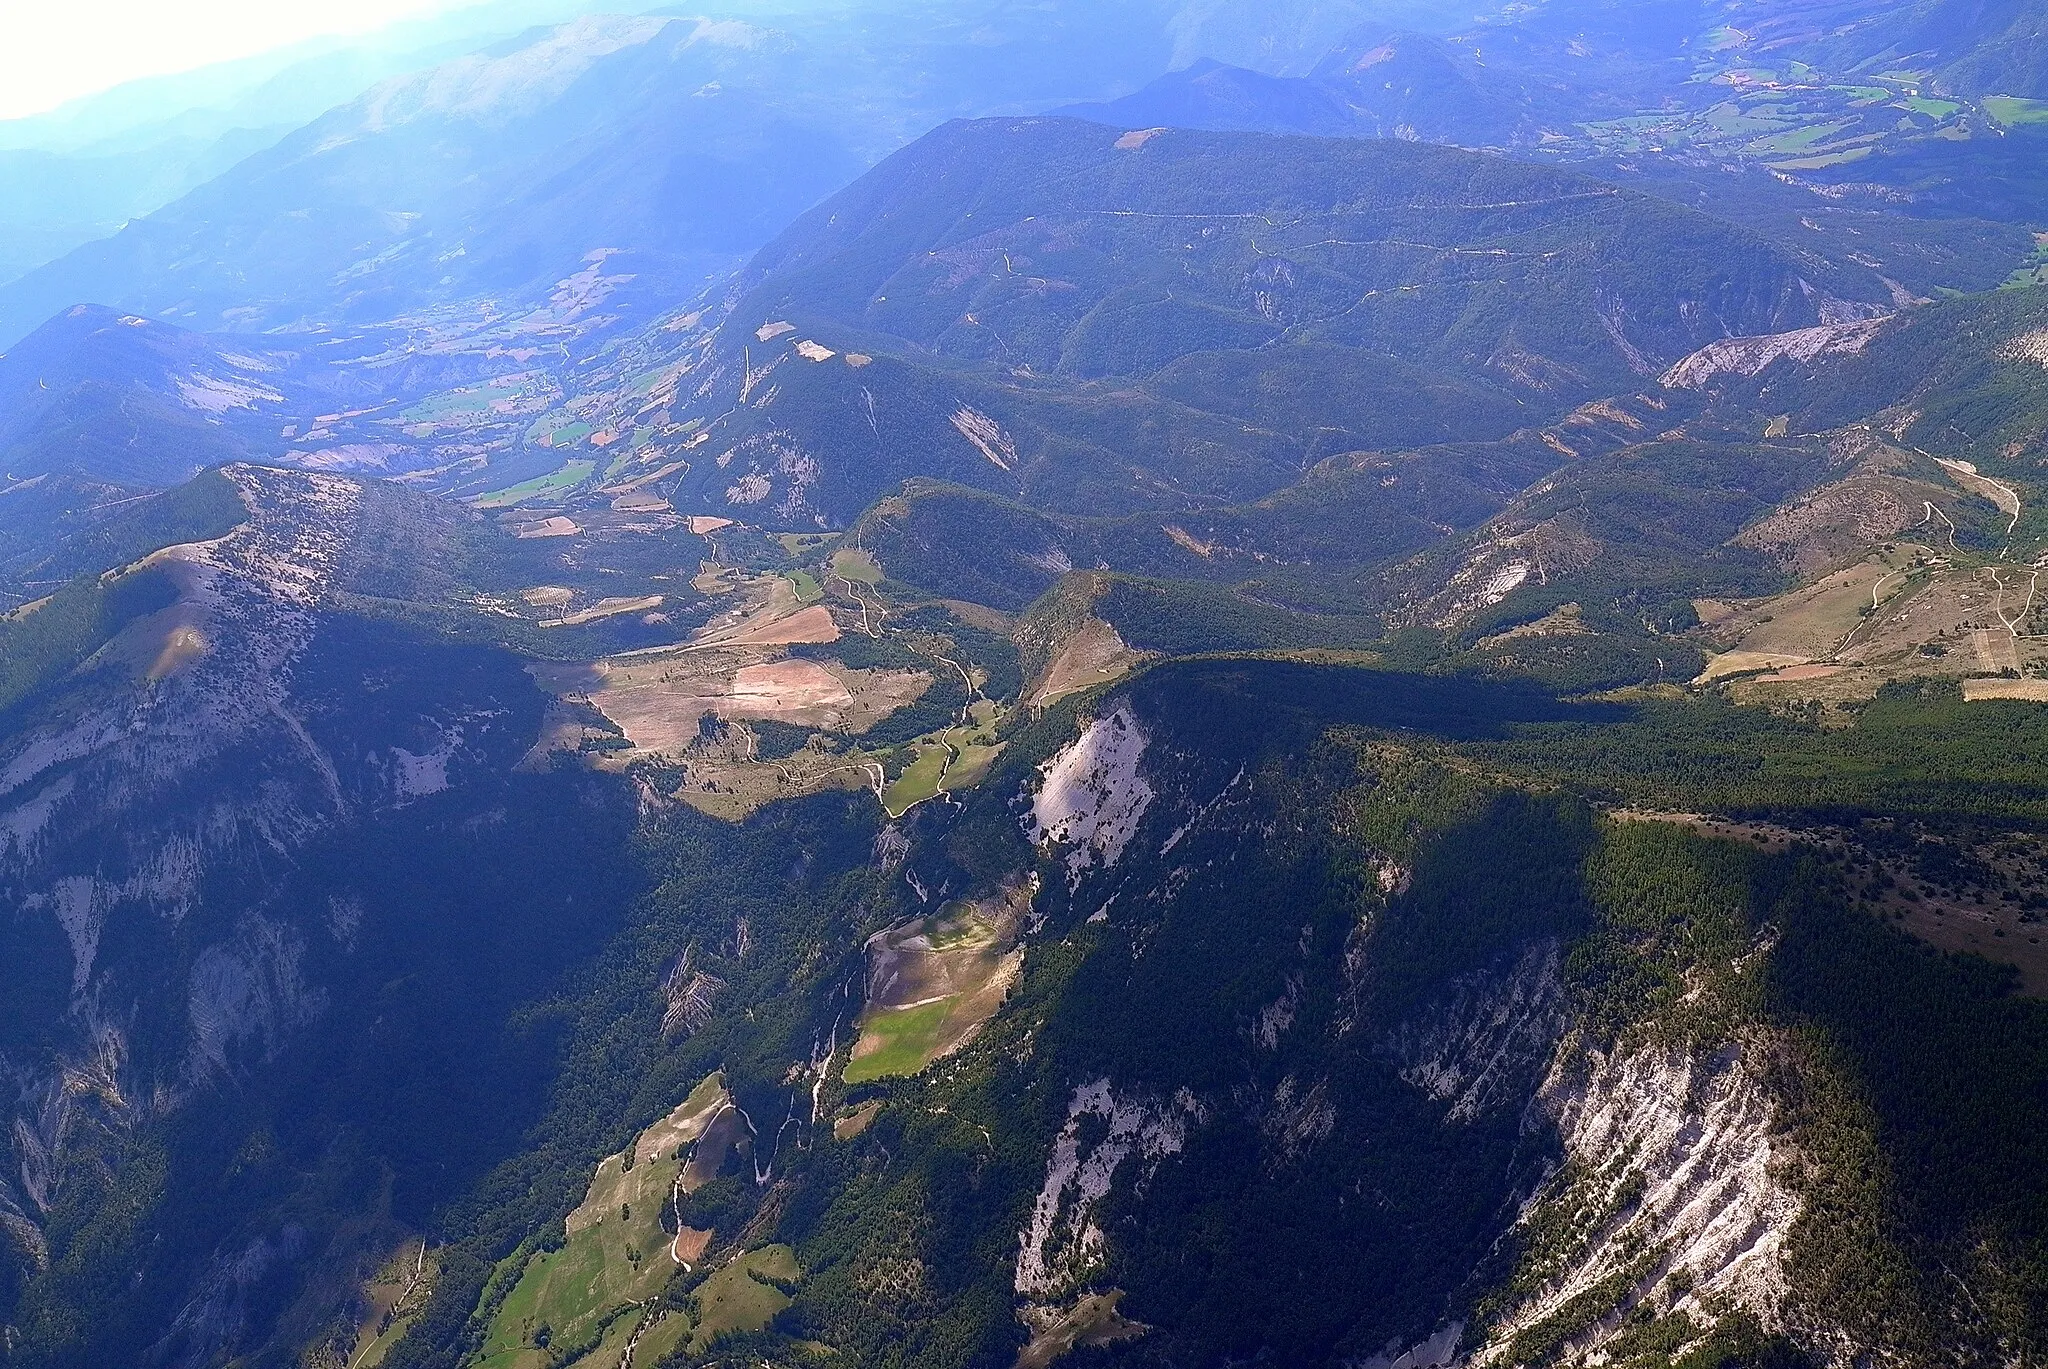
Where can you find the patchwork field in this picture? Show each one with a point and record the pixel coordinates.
(660, 700)
(1905, 611)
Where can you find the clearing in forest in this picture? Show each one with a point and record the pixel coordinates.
(955, 759)
(618, 1254)
(1094, 655)
(934, 982)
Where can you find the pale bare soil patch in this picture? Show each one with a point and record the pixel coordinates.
(1566, 620)
(813, 625)
(782, 689)
(1804, 672)
(767, 613)
(1055, 1332)
(855, 1122)
(1093, 656)
(607, 608)
(2000, 495)
(1741, 662)
(2030, 691)
(659, 700)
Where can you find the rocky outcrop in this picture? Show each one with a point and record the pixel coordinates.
(1672, 1193)
(1752, 356)
(1093, 797)
(1062, 1245)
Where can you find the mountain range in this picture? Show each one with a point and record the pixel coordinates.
(940, 683)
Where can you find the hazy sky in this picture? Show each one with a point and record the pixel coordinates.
(52, 50)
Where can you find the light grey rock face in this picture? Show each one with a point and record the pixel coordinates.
(1478, 1048)
(150, 819)
(1681, 1157)
(1093, 795)
(1062, 1246)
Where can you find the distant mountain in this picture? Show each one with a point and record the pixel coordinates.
(1401, 85)
(120, 398)
(676, 145)
(80, 172)
(491, 175)
(1098, 321)
(1291, 37)
(1967, 47)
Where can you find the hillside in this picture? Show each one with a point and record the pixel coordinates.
(1018, 300)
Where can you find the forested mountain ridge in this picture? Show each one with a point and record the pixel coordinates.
(1059, 277)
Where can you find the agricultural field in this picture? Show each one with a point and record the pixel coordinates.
(933, 982)
(560, 481)
(2015, 112)
(744, 1295)
(857, 565)
(559, 430)
(2033, 271)
(617, 1255)
(1905, 613)
(1094, 655)
(394, 1298)
(1794, 119)
(499, 399)
(958, 758)
(660, 700)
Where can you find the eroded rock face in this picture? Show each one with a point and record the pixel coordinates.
(149, 821)
(134, 769)
(1062, 1246)
(1677, 1158)
(1093, 795)
(1752, 356)
(1477, 1048)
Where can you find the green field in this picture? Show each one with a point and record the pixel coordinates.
(475, 402)
(910, 1038)
(1826, 160)
(856, 564)
(558, 430)
(1797, 140)
(734, 1299)
(662, 1339)
(566, 477)
(617, 1255)
(2012, 110)
(803, 543)
(920, 781)
(808, 590)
